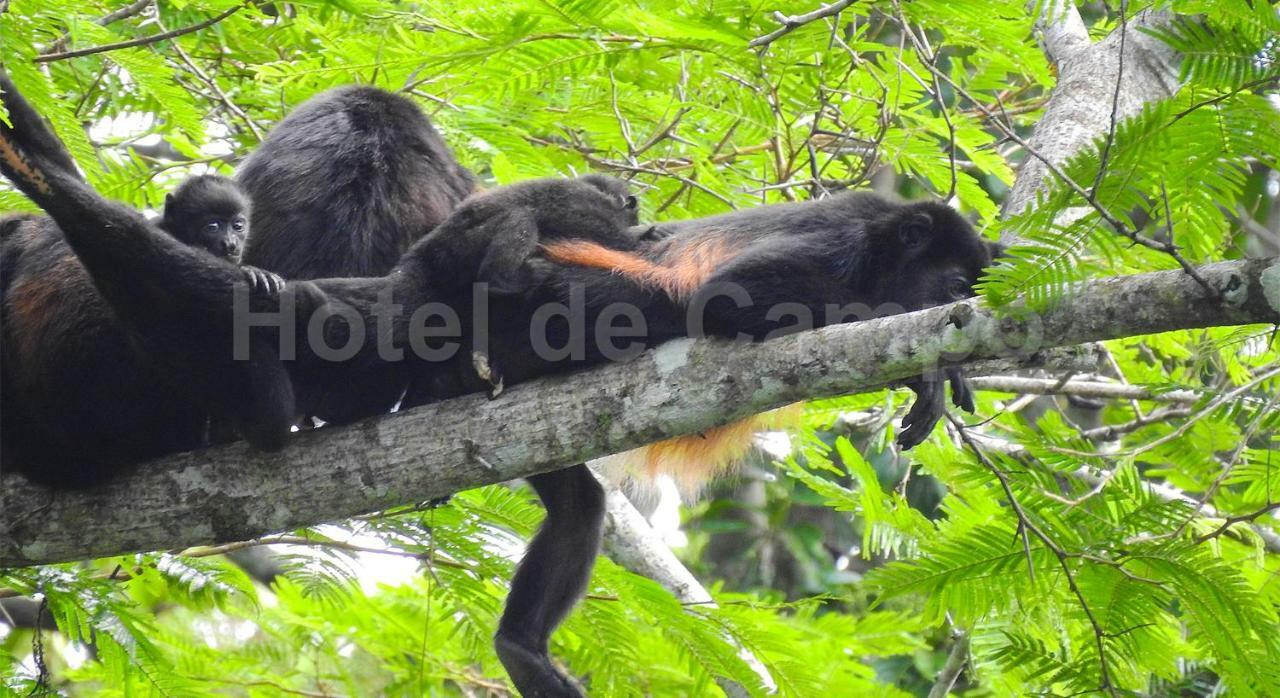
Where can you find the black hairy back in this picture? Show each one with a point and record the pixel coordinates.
(345, 183)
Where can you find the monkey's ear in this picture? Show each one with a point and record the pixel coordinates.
(915, 231)
(168, 200)
(629, 203)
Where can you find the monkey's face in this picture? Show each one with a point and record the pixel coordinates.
(209, 212)
(223, 234)
(938, 260)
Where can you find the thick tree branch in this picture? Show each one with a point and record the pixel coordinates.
(232, 493)
(1080, 107)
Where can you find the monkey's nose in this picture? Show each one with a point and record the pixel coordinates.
(231, 247)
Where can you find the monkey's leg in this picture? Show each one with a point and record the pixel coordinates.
(550, 580)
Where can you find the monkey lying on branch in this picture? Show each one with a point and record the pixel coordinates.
(541, 245)
(848, 257)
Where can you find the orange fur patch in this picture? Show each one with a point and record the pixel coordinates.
(12, 154)
(31, 306)
(683, 270)
(689, 460)
(695, 459)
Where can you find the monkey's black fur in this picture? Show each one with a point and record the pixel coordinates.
(345, 183)
(114, 330)
(850, 249)
(503, 228)
(861, 253)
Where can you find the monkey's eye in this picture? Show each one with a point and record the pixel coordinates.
(629, 203)
(959, 287)
(238, 225)
(213, 227)
(914, 232)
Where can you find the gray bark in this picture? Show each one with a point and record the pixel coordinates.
(231, 493)
(1079, 110)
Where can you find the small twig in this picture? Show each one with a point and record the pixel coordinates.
(1228, 466)
(1233, 520)
(140, 41)
(1111, 431)
(1271, 371)
(956, 659)
(931, 58)
(286, 539)
(1224, 97)
(1081, 388)
(261, 683)
(125, 12)
(1115, 104)
(790, 24)
(1025, 523)
(624, 126)
(213, 86)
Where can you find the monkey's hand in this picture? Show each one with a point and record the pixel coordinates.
(928, 408)
(262, 282)
(931, 401)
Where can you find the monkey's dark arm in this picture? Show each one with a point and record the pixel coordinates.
(178, 301)
(492, 245)
(113, 241)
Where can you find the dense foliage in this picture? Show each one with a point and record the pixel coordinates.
(1049, 554)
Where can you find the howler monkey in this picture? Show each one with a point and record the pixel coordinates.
(112, 348)
(864, 250)
(759, 273)
(345, 183)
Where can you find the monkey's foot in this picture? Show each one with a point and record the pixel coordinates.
(532, 671)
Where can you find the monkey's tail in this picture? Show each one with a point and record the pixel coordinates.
(692, 461)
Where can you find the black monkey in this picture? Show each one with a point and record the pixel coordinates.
(862, 253)
(346, 183)
(115, 331)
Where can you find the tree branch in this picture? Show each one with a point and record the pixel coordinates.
(790, 24)
(231, 493)
(1080, 106)
(956, 659)
(140, 41)
(130, 10)
(1061, 30)
(1080, 388)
